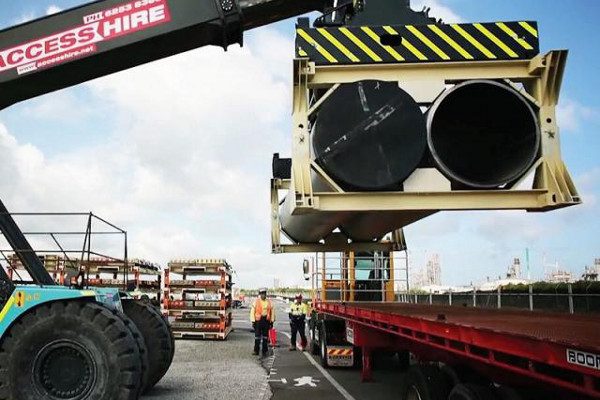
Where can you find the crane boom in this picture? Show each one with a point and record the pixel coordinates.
(108, 36)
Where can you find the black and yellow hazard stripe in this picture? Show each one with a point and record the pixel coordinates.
(418, 43)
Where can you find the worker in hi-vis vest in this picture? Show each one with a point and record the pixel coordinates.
(262, 316)
(298, 311)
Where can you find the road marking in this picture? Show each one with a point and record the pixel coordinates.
(306, 380)
(282, 380)
(326, 374)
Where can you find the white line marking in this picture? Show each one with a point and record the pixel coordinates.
(326, 374)
(282, 380)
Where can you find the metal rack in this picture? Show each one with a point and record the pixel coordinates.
(78, 254)
(139, 278)
(197, 298)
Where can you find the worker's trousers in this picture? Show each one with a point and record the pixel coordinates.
(261, 335)
(297, 326)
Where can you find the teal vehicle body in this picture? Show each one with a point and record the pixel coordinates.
(25, 298)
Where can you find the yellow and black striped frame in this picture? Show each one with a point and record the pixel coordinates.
(418, 43)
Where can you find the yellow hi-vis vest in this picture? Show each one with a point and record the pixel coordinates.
(298, 309)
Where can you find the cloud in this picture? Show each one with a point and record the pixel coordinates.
(438, 10)
(53, 9)
(59, 108)
(26, 17)
(571, 115)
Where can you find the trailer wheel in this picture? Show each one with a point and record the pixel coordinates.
(470, 391)
(357, 357)
(507, 393)
(323, 342)
(313, 346)
(424, 382)
(157, 336)
(71, 350)
(403, 359)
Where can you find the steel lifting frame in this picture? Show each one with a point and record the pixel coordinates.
(538, 79)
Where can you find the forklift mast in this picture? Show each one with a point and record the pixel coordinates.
(107, 36)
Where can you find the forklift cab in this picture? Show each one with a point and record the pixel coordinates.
(371, 273)
(359, 276)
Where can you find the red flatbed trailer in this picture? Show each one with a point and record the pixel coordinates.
(557, 353)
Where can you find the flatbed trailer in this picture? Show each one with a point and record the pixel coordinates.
(536, 353)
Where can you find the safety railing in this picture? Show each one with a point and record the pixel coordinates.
(568, 301)
(358, 278)
(84, 240)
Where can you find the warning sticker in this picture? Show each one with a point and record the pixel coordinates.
(81, 41)
(20, 299)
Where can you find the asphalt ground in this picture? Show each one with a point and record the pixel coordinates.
(214, 370)
(227, 370)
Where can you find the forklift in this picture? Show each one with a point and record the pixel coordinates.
(60, 342)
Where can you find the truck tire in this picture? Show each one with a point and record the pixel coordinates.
(157, 336)
(323, 348)
(424, 382)
(357, 357)
(471, 391)
(313, 346)
(403, 359)
(507, 393)
(101, 354)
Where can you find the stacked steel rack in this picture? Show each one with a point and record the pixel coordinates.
(197, 298)
(58, 267)
(138, 277)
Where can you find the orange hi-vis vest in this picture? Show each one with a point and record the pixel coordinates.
(259, 312)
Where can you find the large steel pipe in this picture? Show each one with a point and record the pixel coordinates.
(308, 228)
(483, 134)
(369, 135)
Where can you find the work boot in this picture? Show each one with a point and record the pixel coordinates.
(255, 353)
(292, 348)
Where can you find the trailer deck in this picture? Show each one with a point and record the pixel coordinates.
(520, 347)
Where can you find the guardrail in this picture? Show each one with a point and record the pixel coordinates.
(557, 302)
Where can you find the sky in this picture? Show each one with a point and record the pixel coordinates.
(178, 152)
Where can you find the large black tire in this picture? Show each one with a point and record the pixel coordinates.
(507, 393)
(424, 382)
(471, 391)
(141, 343)
(72, 350)
(157, 336)
(323, 347)
(313, 345)
(156, 309)
(172, 337)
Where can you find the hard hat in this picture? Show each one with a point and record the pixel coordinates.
(262, 290)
